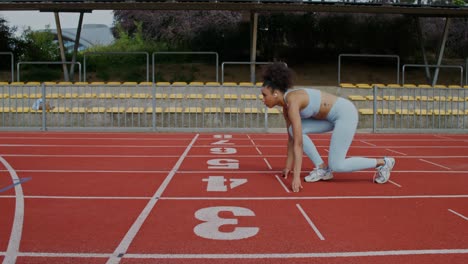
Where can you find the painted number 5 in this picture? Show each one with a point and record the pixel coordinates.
(212, 223)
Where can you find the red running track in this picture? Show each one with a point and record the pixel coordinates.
(218, 198)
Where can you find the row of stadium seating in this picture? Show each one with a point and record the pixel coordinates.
(130, 95)
(141, 110)
(243, 84)
(408, 98)
(225, 110)
(369, 86)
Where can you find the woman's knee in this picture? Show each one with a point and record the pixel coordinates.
(338, 166)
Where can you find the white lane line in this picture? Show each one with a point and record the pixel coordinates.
(267, 163)
(435, 164)
(282, 183)
(127, 240)
(460, 215)
(253, 143)
(17, 228)
(394, 183)
(254, 256)
(212, 171)
(457, 196)
(90, 156)
(394, 151)
(370, 144)
(310, 222)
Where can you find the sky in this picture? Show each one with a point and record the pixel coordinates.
(39, 20)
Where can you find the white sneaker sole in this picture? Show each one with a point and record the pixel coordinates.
(324, 178)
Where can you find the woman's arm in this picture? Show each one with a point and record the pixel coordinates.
(290, 155)
(297, 150)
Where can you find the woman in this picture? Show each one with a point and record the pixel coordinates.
(308, 111)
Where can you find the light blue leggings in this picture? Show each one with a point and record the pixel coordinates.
(343, 120)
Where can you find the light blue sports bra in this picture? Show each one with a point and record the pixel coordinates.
(314, 102)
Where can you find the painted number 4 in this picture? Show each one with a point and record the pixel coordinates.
(212, 223)
(218, 183)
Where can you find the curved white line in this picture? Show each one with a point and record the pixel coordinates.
(15, 236)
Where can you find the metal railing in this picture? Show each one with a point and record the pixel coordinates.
(430, 66)
(12, 63)
(18, 64)
(86, 54)
(370, 56)
(184, 53)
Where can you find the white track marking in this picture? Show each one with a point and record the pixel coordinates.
(243, 198)
(370, 144)
(253, 256)
(394, 151)
(90, 156)
(282, 183)
(17, 228)
(310, 222)
(435, 164)
(253, 143)
(267, 163)
(394, 183)
(127, 240)
(460, 215)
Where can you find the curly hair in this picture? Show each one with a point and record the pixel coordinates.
(278, 76)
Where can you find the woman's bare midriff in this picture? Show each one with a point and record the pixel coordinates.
(326, 104)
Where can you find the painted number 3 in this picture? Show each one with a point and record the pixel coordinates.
(210, 229)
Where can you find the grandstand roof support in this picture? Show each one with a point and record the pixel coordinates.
(423, 49)
(61, 46)
(441, 50)
(77, 43)
(253, 44)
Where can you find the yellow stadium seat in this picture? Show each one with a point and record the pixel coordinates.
(230, 96)
(86, 83)
(196, 84)
(70, 95)
(246, 84)
(366, 111)
(130, 83)
(6, 109)
(76, 83)
(212, 96)
(179, 84)
(347, 85)
(150, 110)
(391, 98)
(4, 83)
(87, 95)
(193, 110)
(194, 96)
(65, 83)
(248, 96)
(22, 109)
(385, 112)
(404, 112)
(440, 86)
(141, 95)
(393, 85)
(371, 98)
(423, 111)
(357, 98)
(105, 95)
(423, 86)
(231, 110)
(4, 95)
(440, 112)
(212, 110)
(59, 109)
(271, 110)
(251, 110)
(135, 110)
(17, 83)
(146, 83)
(97, 109)
(407, 98)
(116, 109)
(173, 109)
(79, 110)
(363, 85)
(259, 84)
(229, 84)
(124, 96)
(19, 95)
(454, 86)
(176, 96)
(212, 83)
(160, 95)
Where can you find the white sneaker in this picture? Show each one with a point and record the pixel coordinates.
(319, 174)
(383, 172)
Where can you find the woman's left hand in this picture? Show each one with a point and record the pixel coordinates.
(296, 184)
